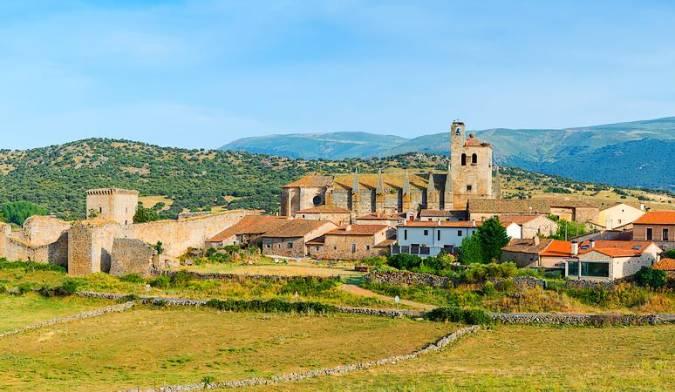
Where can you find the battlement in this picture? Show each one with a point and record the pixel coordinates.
(112, 191)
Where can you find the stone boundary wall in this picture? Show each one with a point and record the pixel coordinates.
(409, 278)
(79, 316)
(573, 319)
(173, 301)
(337, 370)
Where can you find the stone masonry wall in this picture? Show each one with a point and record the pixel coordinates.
(131, 256)
(408, 278)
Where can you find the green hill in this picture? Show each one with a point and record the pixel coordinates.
(532, 149)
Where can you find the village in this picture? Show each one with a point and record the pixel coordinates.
(359, 216)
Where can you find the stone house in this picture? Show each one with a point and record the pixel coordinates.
(431, 238)
(337, 215)
(352, 242)
(248, 231)
(525, 252)
(570, 210)
(617, 216)
(658, 226)
(290, 239)
(528, 226)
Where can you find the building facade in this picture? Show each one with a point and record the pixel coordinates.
(431, 238)
(657, 226)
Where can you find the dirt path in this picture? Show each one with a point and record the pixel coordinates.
(356, 290)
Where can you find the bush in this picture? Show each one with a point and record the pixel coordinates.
(375, 261)
(17, 212)
(459, 315)
(132, 278)
(477, 273)
(404, 261)
(273, 305)
(161, 282)
(30, 266)
(67, 288)
(649, 277)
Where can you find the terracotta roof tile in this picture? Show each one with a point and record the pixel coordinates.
(499, 206)
(441, 224)
(613, 248)
(360, 230)
(297, 228)
(665, 265)
(311, 181)
(506, 220)
(657, 218)
(526, 246)
(250, 224)
(324, 209)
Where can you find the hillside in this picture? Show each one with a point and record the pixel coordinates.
(547, 150)
(174, 180)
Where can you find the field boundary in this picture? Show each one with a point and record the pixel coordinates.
(78, 316)
(333, 371)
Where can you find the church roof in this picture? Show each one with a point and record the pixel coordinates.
(394, 180)
(310, 181)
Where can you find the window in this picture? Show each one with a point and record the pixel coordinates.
(463, 159)
(100, 210)
(649, 234)
(405, 234)
(438, 235)
(367, 247)
(665, 235)
(353, 248)
(268, 246)
(474, 159)
(459, 233)
(426, 233)
(289, 245)
(588, 269)
(469, 188)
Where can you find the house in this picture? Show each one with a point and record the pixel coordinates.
(337, 215)
(528, 226)
(658, 226)
(386, 219)
(600, 260)
(570, 210)
(352, 242)
(290, 239)
(428, 215)
(246, 232)
(617, 216)
(524, 252)
(430, 238)
(667, 265)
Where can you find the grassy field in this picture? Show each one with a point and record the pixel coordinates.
(527, 359)
(155, 346)
(20, 311)
(292, 268)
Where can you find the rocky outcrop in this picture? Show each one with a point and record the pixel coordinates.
(337, 370)
(408, 278)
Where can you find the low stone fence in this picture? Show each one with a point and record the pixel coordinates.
(337, 370)
(79, 316)
(574, 319)
(408, 278)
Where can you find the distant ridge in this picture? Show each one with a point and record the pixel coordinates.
(612, 153)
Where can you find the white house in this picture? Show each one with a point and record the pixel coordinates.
(528, 226)
(430, 238)
(618, 215)
(609, 260)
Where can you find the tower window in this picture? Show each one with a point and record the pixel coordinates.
(463, 159)
(474, 159)
(469, 188)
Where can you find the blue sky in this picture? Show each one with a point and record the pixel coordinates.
(203, 73)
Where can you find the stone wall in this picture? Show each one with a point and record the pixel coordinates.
(90, 247)
(131, 256)
(42, 239)
(579, 319)
(408, 278)
(284, 247)
(346, 247)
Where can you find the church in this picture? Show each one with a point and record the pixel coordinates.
(471, 174)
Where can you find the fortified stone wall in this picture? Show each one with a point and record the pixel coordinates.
(131, 256)
(118, 205)
(90, 246)
(179, 235)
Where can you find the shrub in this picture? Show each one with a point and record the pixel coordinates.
(67, 288)
(375, 261)
(132, 278)
(477, 273)
(404, 261)
(273, 305)
(162, 282)
(649, 277)
(459, 315)
(30, 266)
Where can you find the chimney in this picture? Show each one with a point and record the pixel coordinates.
(592, 244)
(575, 248)
(536, 240)
(642, 207)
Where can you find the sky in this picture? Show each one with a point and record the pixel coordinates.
(203, 73)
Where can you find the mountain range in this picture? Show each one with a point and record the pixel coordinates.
(638, 153)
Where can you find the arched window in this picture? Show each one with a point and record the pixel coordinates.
(463, 159)
(474, 159)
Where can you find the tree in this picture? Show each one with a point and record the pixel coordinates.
(649, 277)
(145, 215)
(470, 251)
(492, 237)
(17, 212)
(159, 247)
(567, 229)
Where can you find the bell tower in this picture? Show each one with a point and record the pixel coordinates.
(471, 167)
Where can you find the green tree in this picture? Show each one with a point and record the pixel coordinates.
(567, 229)
(649, 277)
(470, 251)
(145, 215)
(492, 237)
(17, 212)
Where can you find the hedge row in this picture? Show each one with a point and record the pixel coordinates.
(272, 305)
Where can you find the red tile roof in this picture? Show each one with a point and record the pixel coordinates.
(251, 224)
(310, 181)
(612, 248)
(324, 209)
(506, 220)
(665, 265)
(297, 228)
(657, 218)
(440, 224)
(361, 230)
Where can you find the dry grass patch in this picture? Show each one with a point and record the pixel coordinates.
(21, 311)
(291, 269)
(147, 347)
(522, 358)
(151, 201)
